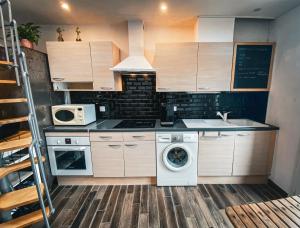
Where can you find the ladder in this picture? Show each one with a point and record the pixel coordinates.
(10, 199)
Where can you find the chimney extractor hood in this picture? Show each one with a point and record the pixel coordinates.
(136, 61)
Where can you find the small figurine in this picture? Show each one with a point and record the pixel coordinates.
(60, 38)
(78, 34)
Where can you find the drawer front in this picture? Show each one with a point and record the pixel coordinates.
(107, 150)
(140, 159)
(139, 136)
(106, 137)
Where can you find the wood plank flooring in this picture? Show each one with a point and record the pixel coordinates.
(150, 206)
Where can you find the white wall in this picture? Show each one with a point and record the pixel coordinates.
(284, 100)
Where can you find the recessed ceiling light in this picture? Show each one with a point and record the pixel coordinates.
(65, 6)
(257, 10)
(163, 7)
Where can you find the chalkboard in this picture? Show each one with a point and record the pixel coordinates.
(252, 66)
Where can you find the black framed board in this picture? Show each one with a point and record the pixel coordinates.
(252, 66)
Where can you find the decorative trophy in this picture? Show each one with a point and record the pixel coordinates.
(78, 34)
(60, 38)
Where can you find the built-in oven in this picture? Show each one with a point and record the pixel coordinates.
(70, 156)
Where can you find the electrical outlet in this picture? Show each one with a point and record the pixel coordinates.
(102, 108)
(175, 108)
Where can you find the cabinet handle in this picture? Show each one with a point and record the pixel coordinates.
(106, 88)
(105, 137)
(203, 88)
(243, 134)
(162, 88)
(130, 145)
(138, 136)
(58, 79)
(114, 145)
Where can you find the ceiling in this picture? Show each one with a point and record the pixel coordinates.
(116, 11)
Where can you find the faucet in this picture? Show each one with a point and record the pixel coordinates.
(224, 116)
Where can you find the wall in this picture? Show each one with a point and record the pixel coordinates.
(284, 101)
(140, 101)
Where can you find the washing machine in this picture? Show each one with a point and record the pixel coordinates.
(176, 158)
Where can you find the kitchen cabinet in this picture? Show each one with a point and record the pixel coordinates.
(253, 152)
(119, 154)
(70, 61)
(215, 154)
(176, 66)
(104, 56)
(214, 66)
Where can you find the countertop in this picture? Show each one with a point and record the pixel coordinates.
(107, 126)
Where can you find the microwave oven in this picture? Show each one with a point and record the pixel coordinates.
(73, 114)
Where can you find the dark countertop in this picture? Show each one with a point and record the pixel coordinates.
(107, 126)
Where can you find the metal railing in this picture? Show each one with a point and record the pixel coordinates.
(20, 67)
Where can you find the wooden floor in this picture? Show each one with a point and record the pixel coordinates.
(151, 206)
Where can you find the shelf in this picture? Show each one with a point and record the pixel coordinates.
(15, 144)
(17, 198)
(14, 120)
(15, 167)
(25, 220)
(12, 82)
(13, 100)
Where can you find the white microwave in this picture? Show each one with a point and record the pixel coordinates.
(73, 114)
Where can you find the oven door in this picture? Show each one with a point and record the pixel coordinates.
(70, 160)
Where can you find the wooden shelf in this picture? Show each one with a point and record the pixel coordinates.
(19, 198)
(15, 144)
(25, 220)
(14, 120)
(15, 167)
(13, 100)
(12, 82)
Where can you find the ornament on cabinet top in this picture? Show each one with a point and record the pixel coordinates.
(78, 34)
(60, 38)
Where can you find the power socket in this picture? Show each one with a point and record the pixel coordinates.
(102, 108)
(175, 108)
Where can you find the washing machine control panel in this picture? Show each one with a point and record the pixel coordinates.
(177, 137)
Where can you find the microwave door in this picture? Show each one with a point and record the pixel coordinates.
(64, 115)
(70, 160)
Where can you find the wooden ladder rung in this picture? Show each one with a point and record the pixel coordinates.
(25, 220)
(13, 100)
(14, 120)
(19, 198)
(15, 144)
(8, 82)
(4, 171)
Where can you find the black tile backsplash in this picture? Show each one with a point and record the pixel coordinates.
(140, 101)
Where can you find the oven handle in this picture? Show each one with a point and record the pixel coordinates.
(69, 148)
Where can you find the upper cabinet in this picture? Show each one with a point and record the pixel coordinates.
(70, 61)
(105, 55)
(77, 66)
(176, 66)
(252, 67)
(214, 66)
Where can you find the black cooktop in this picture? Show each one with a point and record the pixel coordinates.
(136, 124)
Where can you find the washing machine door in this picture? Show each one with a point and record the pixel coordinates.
(177, 157)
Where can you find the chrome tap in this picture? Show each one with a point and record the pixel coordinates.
(224, 116)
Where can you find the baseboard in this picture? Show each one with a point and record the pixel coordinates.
(277, 188)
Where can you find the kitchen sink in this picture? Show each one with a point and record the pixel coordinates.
(218, 123)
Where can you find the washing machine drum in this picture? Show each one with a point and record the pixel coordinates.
(177, 157)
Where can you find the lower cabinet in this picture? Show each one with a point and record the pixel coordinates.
(215, 153)
(123, 155)
(253, 153)
(241, 153)
(140, 159)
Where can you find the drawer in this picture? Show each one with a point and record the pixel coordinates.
(106, 137)
(139, 136)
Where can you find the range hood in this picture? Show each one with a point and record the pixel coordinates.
(136, 61)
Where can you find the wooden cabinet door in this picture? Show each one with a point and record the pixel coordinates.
(214, 66)
(70, 61)
(253, 152)
(176, 66)
(140, 159)
(105, 55)
(108, 159)
(215, 155)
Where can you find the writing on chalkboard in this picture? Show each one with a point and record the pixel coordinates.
(252, 66)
